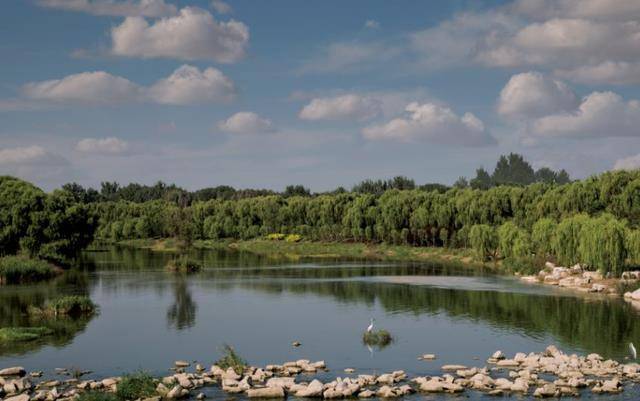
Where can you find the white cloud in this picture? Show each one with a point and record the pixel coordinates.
(601, 114)
(192, 35)
(344, 107)
(189, 85)
(246, 122)
(96, 87)
(186, 85)
(121, 8)
(372, 24)
(596, 9)
(348, 57)
(628, 163)
(432, 123)
(531, 94)
(35, 164)
(221, 7)
(608, 72)
(104, 146)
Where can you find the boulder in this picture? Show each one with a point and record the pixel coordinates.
(13, 371)
(177, 392)
(266, 392)
(21, 397)
(598, 288)
(181, 364)
(427, 357)
(314, 389)
(366, 394)
(432, 386)
(547, 390)
(453, 367)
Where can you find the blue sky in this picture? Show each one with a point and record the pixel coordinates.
(324, 93)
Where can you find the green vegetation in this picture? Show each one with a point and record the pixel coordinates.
(97, 396)
(378, 338)
(50, 226)
(72, 305)
(136, 386)
(231, 359)
(22, 334)
(184, 264)
(20, 269)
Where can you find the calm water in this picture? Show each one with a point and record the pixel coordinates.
(149, 318)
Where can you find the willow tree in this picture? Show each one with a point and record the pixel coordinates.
(632, 244)
(484, 241)
(602, 244)
(566, 239)
(542, 234)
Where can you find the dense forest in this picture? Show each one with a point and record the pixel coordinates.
(517, 215)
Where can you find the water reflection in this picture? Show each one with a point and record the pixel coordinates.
(182, 312)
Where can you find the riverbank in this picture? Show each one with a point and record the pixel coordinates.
(321, 250)
(550, 373)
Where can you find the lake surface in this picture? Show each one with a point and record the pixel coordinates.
(149, 318)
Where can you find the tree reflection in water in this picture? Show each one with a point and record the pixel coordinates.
(182, 313)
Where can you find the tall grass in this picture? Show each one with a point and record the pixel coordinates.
(135, 386)
(19, 269)
(72, 305)
(231, 359)
(23, 334)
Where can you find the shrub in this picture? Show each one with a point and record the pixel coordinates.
(276, 237)
(72, 305)
(18, 269)
(484, 241)
(135, 386)
(184, 264)
(293, 238)
(231, 359)
(22, 334)
(97, 396)
(379, 338)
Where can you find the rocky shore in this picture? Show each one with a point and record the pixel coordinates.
(550, 373)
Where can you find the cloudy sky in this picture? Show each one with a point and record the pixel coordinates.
(323, 93)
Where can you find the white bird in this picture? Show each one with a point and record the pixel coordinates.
(370, 327)
(632, 349)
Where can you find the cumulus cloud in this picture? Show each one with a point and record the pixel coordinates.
(608, 72)
(121, 8)
(221, 7)
(104, 146)
(628, 163)
(189, 85)
(432, 123)
(246, 122)
(601, 114)
(97, 87)
(35, 163)
(193, 34)
(598, 9)
(531, 94)
(186, 85)
(344, 107)
(372, 24)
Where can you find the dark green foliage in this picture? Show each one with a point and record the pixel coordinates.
(231, 359)
(296, 190)
(484, 241)
(378, 338)
(22, 334)
(71, 305)
(378, 187)
(184, 264)
(19, 269)
(135, 386)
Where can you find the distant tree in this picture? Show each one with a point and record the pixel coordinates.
(440, 188)
(401, 182)
(513, 170)
(80, 194)
(545, 175)
(482, 180)
(109, 190)
(562, 177)
(296, 190)
(461, 183)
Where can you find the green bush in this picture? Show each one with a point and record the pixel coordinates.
(484, 241)
(135, 386)
(22, 334)
(275, 236)
(293, 238)
(18, 269)
(231, 359)
(72, 305)
(379, 338)
(184, 264)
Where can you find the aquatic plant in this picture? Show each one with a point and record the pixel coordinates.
(184, 264)
(135, 386)
(378, 338)
(231, 359)
(72, 305)
(23, 334)
(20, 269)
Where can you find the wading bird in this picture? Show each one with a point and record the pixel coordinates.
(632, 349)
(370, 327)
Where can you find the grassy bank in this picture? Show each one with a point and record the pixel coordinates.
(19, 269)
(22, 334)
(320, 250)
